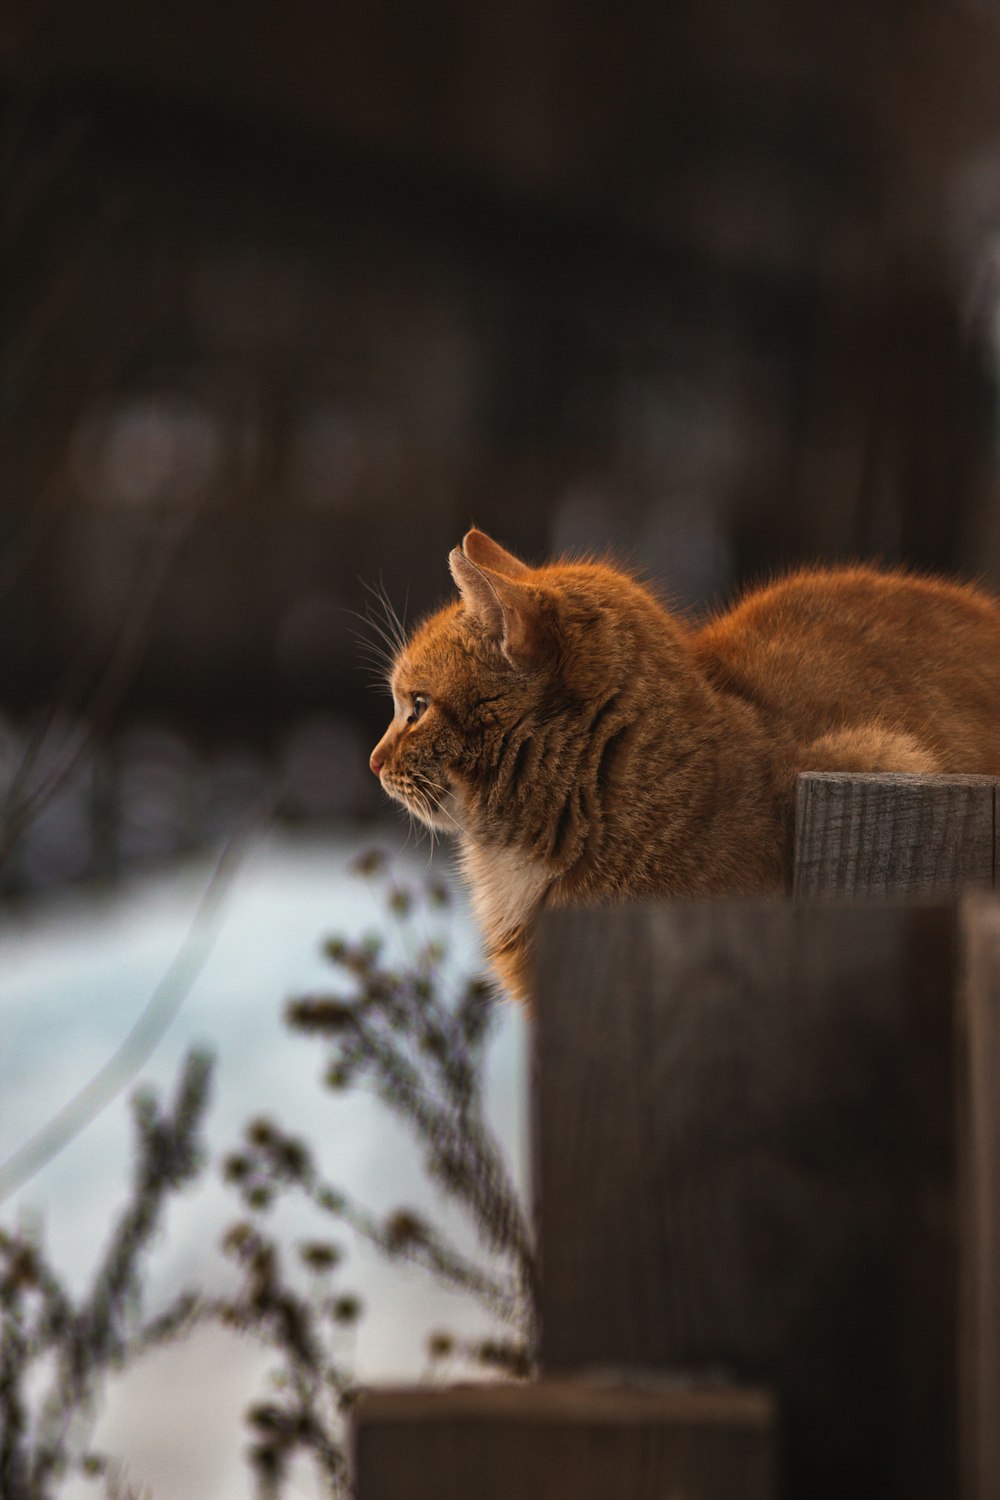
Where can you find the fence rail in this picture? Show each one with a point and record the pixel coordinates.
(880, 835)
(554, 1440)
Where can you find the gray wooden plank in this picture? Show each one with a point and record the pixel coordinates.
(882, 835)
(979, 1370)
(744, 1156)
(552, 1440)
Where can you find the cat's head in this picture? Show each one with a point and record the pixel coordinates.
(479, 680)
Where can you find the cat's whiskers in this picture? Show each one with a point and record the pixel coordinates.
(430, 787)
(418, 802)
(410, 824)
(374, 654)
(371, 621)
(426, 804)
(431, 841)
(396, 624)
(379, 657)
(391, 628)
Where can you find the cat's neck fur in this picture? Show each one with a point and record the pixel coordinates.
(693, 801)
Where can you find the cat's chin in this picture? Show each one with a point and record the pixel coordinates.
(441, 814)
(441, 819)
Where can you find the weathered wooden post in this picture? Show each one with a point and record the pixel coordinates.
(745, 1163)
(979, 1199)
(932, 835)
(768, 1135)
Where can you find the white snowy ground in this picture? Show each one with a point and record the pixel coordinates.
(75, 972)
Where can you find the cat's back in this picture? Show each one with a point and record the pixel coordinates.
(828, 647)
(861, 601)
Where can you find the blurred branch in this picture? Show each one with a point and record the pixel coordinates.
(52, 495)
(42, 161)
(63, 291)
(424, 1058)
(24, 801)
(317, 1390)
(424, 1055)
(401, 1030)
(271, 1161)
(86, 1340)
(138, 1046)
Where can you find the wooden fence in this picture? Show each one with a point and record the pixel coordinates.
(767, 1168)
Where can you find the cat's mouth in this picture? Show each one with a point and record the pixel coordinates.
(433, 803)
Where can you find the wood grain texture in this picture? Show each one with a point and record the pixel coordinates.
(556, 1440)
(744, 1155)
(979, 1370)
(881, 835)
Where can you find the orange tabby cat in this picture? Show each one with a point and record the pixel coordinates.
(586, 745)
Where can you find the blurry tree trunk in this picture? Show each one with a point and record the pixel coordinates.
(895, 459)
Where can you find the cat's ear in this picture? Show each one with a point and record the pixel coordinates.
(506, 610)
(483, 550)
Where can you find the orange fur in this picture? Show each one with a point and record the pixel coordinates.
(586, 745)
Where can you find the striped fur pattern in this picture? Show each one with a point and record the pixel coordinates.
(587, 745)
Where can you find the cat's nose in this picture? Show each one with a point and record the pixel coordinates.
(375, 763)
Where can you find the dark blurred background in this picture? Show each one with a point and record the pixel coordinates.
(292, 294)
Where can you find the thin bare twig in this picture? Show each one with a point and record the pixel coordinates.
(24, 802)
(141, 1041)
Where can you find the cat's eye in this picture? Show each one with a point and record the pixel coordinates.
(420, 702)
